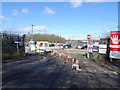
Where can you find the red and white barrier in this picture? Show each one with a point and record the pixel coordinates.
(75, 64)
(75, 61)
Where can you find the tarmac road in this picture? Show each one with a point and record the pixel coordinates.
(50, 71)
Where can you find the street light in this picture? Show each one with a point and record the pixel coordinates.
(32, 32)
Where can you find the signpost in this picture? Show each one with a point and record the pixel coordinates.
(88, 38)
(115, 44)
(17, 41)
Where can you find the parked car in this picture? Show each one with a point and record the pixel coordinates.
(78, 47)
(84, 47)
(51, 45)
(60, 45)
(67, 46)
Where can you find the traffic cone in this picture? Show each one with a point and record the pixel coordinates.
(60, 55)
(67, 59)
(74, 60)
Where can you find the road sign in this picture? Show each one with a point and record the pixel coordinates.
(115, 44)
(88, 36)
(102, 48)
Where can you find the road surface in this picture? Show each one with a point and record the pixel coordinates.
(50, 71)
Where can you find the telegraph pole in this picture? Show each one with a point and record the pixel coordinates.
(32, 32)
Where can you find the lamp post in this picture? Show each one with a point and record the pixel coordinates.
(32, 32)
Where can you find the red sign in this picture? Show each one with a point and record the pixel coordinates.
(88, 36)
(115, 41)
(90, 46)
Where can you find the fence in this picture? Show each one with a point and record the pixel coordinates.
(100, 51)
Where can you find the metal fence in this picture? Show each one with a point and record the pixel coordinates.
(102, 52)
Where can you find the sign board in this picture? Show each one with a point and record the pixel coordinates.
(115, 44)
(90, 47)
(102, 48)
(97, 43)
(88, 36)
(18, 42)
(95, 48)
(102, 51)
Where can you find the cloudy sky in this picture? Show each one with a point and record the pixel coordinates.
(72, 20)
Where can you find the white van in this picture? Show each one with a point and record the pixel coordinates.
(42, 46)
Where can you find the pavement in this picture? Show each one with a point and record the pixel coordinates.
(50, 71)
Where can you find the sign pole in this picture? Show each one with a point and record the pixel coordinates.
(17, 49)
(87, 48)
(88, 38)
(110, 59)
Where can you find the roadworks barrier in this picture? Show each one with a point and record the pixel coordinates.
(75, 64)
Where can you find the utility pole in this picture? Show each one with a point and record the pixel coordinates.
(32, 32)
(17, 49)
(24, 45)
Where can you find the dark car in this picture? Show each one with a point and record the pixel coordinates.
(67, 46)
(51, 45)
(84, 47)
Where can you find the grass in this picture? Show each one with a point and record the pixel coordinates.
(12, 57)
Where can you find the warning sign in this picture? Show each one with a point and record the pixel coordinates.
(115, 44)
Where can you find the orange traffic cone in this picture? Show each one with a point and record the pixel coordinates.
(67, 59)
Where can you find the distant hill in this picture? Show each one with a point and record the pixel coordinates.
(46, 37)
